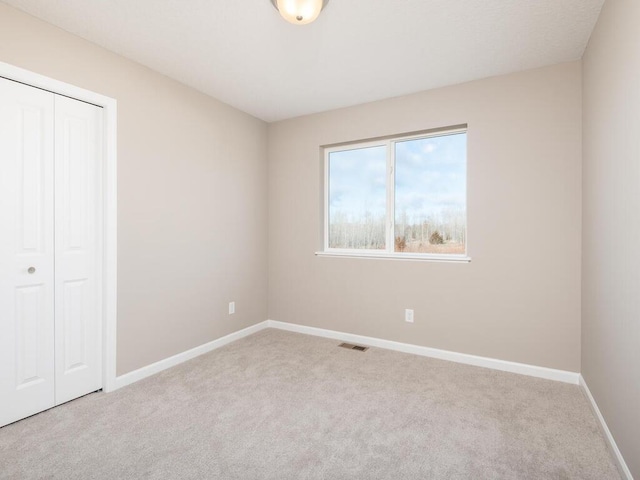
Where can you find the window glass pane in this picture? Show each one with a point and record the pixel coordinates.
(357, 198)
(430, 195)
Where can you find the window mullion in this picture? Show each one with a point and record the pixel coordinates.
(326, 200)
(390, 223)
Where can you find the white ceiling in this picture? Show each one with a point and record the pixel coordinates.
(243, 53)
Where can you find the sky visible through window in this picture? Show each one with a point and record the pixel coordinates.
(358, 182)
(430, 196)
(431, 176)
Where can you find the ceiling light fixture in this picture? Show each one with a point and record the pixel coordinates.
(299, 12)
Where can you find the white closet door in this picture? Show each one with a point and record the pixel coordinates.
(78, 248)
(26, 251)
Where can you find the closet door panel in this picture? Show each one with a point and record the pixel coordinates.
(78, 220)
(26, 251)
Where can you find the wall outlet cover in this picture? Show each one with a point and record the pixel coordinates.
(408, 315)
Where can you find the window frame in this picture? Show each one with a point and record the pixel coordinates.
(389, 252)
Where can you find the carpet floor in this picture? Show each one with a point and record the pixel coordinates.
(280, 405)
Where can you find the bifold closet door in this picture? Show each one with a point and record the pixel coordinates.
(27, 379)
(78, 248)
(50, 250)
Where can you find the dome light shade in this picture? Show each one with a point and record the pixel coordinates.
(299, 12)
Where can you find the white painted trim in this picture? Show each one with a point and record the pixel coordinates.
(157, 367)
(110, 246)
(502, 365)
(394, 256)
(27, 77)
(617, 455)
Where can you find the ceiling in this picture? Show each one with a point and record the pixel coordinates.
(243, 53)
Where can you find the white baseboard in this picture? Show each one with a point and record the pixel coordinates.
(144, 372)
(503, 365)
(622, 465)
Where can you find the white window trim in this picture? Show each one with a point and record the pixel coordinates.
(449, 258)
(389, 143)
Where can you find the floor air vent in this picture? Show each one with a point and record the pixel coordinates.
(350, 346)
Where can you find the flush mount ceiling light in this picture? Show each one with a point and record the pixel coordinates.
(299, 12)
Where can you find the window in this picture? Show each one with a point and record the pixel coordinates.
(399, 197)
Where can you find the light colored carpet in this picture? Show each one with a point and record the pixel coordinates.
(280, 405)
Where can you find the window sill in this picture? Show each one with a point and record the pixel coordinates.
(399, 256)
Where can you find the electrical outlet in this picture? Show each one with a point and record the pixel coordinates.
(408, 315)
(232, 308)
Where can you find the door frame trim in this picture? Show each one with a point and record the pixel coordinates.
(110, 214)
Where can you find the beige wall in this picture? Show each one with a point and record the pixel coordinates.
(192, 195)
(519, 298)
(611, 230)
(193, 214)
